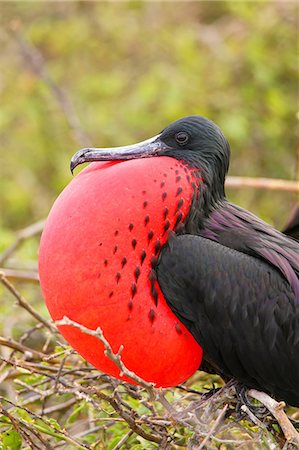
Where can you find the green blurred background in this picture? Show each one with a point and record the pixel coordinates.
(79, 73)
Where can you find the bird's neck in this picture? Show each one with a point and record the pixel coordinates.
(209, 195)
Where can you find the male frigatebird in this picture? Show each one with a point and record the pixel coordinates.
(231, 279)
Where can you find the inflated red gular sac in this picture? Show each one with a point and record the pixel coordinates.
(144, 244)
(97, 262)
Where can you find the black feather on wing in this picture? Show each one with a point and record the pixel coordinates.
(240, 309)
(236, 228)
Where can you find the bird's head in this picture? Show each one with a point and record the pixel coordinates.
(194, 140)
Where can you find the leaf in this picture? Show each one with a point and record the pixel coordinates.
(11, 440)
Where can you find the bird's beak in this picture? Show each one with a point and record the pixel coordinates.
(144, 149)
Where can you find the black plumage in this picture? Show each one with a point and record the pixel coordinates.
(241, 310)
(232, 279)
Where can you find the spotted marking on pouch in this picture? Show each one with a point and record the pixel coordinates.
(154, 261)
(152, 276)
(117, 277)
(178, 328)
(166, 226)
(150, 235)
(172, 220)
(137, 273)
(179, 205)
(178, 220)
(105, 262)
(151, 315)
(154, 294)
(143, 256)
(157, 246)
(179, 191)
(133, 290)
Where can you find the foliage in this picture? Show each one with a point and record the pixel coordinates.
(127, 70)
(78, 73)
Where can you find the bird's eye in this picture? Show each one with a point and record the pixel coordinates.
(182, 138)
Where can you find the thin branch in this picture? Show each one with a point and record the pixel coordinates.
(214, 428)
(276, 409)
(263, 183)
(30, 231)
(24, 304)
(123, 440)
(29, 352)
(20, 275)
(115, 357)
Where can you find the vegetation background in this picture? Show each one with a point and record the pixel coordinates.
(105, 73)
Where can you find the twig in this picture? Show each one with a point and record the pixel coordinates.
(263, 183)
(214, 427)
(21, 275)
(29, 352)
(130, 419)
(23, 303)
(276, 409)
(123, 440)
(115, 357)
(252, 417)
(30, 231)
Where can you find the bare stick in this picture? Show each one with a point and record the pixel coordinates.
(30, 231)
(21, 275)
(23, 303)
(123, 440)
(263, 183)
(115, 357)
(276, 409)
(214, 428)
(29, 352)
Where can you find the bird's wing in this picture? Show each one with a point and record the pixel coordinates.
(240, 310)
(236, 228)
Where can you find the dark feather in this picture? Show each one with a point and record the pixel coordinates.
(236, 228)
(241, 310)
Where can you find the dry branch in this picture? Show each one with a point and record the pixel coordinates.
(263, 183)
(28, 232)
(276, 409)
(115, 357)
(23, 303)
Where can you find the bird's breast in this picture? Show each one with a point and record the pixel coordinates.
(97, 264)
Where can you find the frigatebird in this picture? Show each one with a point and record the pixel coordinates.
(230, 278)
